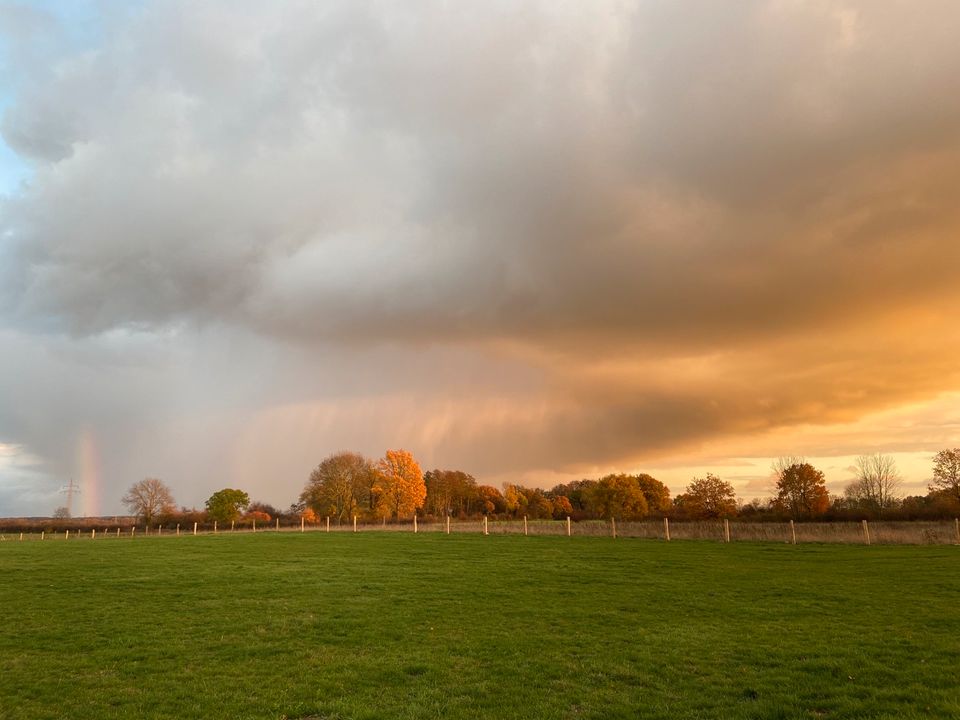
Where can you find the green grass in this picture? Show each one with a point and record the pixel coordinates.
(429, 626)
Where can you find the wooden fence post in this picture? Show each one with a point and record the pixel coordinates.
(568, 526)
(178, 529)
(278, 524)
(354, 523)
(328, 523)
(67, 537)
(726, 530)
(793, 534)
(485, 525)
(214, 527)
(666, 529)
(613, 526)
(42, 534)
(448, 524)
(93, 534)
(118, 532)
(254, 524)
(194, 528)
(133, 531)
(524, 524)
(21, 537)
(866, 532)
(231, 525)
(301, 523)
(414, 523)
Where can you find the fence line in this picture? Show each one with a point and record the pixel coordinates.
(724, 531)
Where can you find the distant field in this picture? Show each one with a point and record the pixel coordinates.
(431, 626)
(897, 532)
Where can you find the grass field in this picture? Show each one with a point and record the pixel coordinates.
(431, 626)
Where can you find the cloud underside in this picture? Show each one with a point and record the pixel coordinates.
(511, 237)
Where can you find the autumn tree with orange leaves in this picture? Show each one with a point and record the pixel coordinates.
(617, 496)
(801, 489)
(708, 497)
(399, 486)
(490, 501)
(655, 492)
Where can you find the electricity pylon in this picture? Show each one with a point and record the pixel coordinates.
(70, 490)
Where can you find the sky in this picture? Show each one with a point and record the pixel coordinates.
(535, 241)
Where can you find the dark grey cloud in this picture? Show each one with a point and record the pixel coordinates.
(516, 236)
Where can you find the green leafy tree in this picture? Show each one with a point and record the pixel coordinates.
(946, 473)
(227, 505)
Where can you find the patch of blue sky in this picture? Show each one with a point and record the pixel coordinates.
(15, 172)
(80, 23)
(78, 26)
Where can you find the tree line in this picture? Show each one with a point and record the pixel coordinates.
(347, 485)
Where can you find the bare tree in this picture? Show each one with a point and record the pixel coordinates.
(877, 484)
(149, 498)
(784, 463)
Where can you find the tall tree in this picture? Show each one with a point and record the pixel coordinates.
(575, 491)
(801, 490)
(561, 507)
(656, 493)
(148, 499)
(490, 501)
(708, 497)
(539, 505)
(946, 473)
(339, 486)
(876, 484)
(227, 505)
(617, 496)
(515, 499)
(399, 484)
(449, 492)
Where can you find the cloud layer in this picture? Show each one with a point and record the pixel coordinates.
(516, 238)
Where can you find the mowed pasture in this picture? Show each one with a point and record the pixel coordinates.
(376, 625)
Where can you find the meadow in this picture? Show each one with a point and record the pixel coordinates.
(396, 625)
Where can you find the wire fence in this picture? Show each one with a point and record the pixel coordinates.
(872, 533)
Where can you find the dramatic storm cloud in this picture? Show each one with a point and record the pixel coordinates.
(528, 240)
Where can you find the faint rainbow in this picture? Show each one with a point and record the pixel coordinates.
(88, 463)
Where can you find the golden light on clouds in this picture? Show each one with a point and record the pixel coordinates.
(528, 241)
